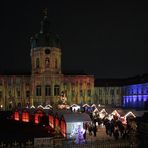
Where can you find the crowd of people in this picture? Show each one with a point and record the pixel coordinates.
(114, 128)
(118, 130)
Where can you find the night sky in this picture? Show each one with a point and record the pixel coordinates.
(104, 38)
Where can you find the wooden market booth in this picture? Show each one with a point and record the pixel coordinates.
(71, 121)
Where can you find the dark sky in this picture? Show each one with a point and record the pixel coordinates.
(105, 38)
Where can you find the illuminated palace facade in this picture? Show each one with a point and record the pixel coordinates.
(108, 92)
(127, 93)
(135, 94)
(46, 83)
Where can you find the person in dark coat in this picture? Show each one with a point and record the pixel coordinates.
(94, 130)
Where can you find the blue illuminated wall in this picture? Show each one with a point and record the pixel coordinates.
(135, 96)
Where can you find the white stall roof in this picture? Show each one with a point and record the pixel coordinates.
(86, 105)
(77, 117)
(48, 106)
(73, 105)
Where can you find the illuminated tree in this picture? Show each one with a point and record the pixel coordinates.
(80, 138)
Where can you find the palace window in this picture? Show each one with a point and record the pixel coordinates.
(38, 90)
(81, 93)
(1, 94)
(73, 93)
(47, 63)
(37, 63)
(100, 92)
(47, 90)
(118, 92)
(106, 102)
(27, 93)
(56, 90)
(18, 93)
(56, 64)
(112, 92)
(88, 92)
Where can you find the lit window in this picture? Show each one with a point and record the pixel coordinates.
(88, 92)
(47, 63)
(56, 90)
(47, 90)
(38, 90)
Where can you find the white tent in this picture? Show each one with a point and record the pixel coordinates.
(95, 112)
(94, 105)
(115, 113)
(86, 105)
(48, 107)
(73, 121)
(40, 106)
(32, 106)
(102, 113)
(129, 114)
(75, 107)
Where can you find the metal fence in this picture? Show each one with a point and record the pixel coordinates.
(57, 143)
(63, 143)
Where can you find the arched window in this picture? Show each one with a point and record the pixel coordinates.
(38, 90)
(1, 93)
(56, 90)
(47, 62)
(81, 93)
(47, 90)
(27, 93)
(37, 63)
(89, 93)
(56, 64)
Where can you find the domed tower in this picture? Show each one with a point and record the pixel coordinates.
(45, 50)
(46, 64)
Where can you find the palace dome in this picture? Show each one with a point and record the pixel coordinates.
(45, 38)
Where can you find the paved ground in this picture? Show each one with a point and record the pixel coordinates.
(101, 135)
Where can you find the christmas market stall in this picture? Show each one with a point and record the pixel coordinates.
(70, 123)
(51, 116)
(25, 115)
(102, 113)
(48, 106)
(128, 115)
(93, 106)
(17, 115)
(57, 120)
(39, 113)
(58, 116)
(87, 108)
(32, 111)
(95, 112)
(75, 107)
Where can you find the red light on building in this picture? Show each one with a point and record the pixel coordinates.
(38, 117)
(51, 120)
(63, 128)
(56, 122)
(25, 117)
(16, 116)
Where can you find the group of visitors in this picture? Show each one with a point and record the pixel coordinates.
(117, 129)
(91, 129)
